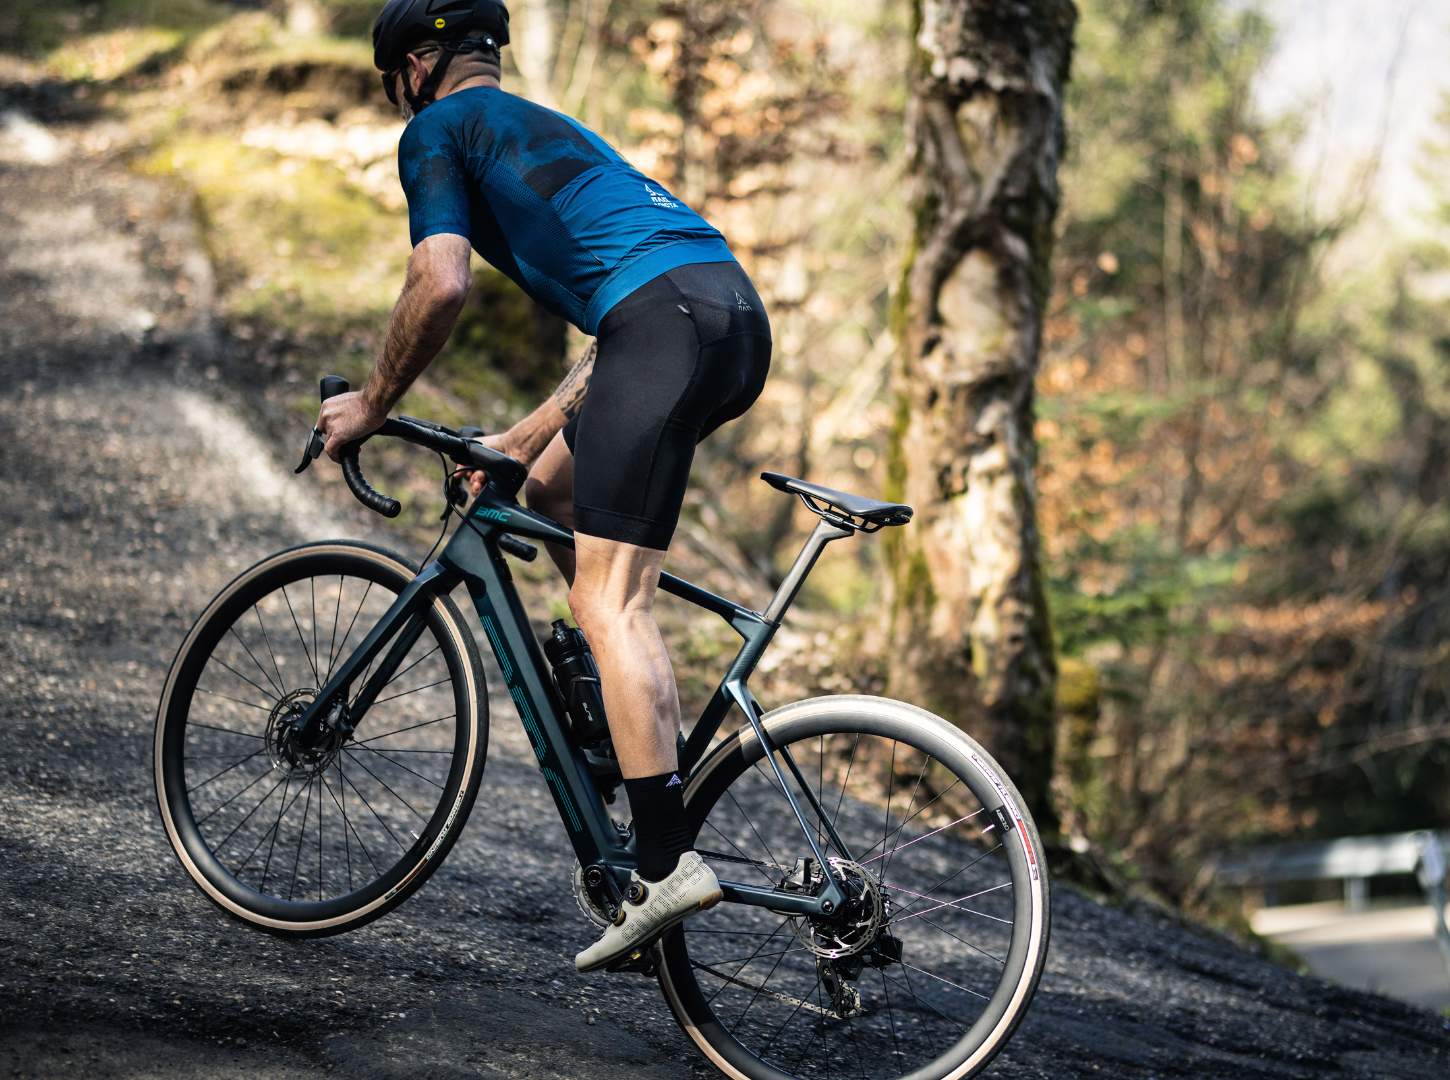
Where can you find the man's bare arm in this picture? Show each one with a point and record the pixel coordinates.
(433, 294)
(570, 394)
(526, 440)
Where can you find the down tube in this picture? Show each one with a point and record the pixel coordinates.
(581, 809)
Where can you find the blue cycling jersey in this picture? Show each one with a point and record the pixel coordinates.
(546, 201)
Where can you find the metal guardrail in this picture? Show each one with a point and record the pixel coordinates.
(1352, 858)
(1349, 857)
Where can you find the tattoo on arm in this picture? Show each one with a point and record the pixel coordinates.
(570, 394)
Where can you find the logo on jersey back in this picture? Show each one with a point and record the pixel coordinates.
(659, 198)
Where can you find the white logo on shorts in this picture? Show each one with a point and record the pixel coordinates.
(741, 303)
(659, 198)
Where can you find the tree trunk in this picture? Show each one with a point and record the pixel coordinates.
(970, 627)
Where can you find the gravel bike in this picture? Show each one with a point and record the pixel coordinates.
(323, 728)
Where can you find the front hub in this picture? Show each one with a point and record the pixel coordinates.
(288, 744)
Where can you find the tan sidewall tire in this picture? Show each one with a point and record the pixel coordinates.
(460, 637)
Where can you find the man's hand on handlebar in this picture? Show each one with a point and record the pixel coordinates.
(344, 419)
(504, 444)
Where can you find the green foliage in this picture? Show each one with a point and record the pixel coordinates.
(71, 27)
(502, 333)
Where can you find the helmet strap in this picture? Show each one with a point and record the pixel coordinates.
(428, 92)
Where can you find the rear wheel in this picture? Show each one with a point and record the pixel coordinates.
(311, 840)
(932, 962)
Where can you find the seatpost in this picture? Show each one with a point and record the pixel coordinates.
(821, 535)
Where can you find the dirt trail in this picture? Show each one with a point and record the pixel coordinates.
(133, 486)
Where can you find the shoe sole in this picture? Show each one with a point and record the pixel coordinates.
(707, 901)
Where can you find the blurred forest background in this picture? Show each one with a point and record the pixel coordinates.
(1243, 400)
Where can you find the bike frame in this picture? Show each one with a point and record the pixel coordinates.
(472, 557)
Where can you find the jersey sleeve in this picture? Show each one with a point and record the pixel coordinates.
(432, 171)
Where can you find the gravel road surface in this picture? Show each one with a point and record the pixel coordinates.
(132, 488)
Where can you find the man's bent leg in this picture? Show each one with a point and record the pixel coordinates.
(612, 600)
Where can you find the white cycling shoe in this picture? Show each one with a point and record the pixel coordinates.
(652, 907)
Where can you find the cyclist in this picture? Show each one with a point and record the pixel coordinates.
(681, 345)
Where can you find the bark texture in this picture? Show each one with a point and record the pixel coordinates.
(970, 627)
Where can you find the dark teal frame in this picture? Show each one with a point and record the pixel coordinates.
(472, 557)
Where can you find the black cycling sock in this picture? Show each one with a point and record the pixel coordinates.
(661, 833)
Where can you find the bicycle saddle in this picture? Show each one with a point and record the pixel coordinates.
(872, 511)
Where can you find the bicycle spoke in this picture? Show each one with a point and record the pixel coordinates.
(415, 690)
(414, 727)
(920, 776)
(949, 877)
(267, 640)
(275, 686)
(923, 836)
(239, 701)
(756, 996)
(276, 828)
(320, 805)
(229, 731)
(753, 829)
(938, 978)
(410, 667)
(300, 638)
(239, 675)
(756, 865)
(999, 959)
(749, 958)
(348, 827)
(346, 843)
(228, 769)
(400, 765)
(912, 991)
(301, 835)
(332, 643)
(358, 611)
(371, 809)
(384, 786)
(312, 585)
(248, 814)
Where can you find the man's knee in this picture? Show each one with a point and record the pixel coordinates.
(539, 496)
(592, 614)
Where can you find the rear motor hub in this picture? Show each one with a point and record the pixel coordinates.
(855, 927)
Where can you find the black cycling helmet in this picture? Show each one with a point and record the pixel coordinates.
(402, 24)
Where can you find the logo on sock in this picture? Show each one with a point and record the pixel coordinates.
(673, 781)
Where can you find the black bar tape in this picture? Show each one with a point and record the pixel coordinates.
(374, 500)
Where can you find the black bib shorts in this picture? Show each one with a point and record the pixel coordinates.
(678, 357)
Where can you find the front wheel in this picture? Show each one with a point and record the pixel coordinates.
(932, 962)
(311, 839)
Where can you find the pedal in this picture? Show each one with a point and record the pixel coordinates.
(642, 962)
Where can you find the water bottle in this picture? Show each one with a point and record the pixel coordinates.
(577, 677)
